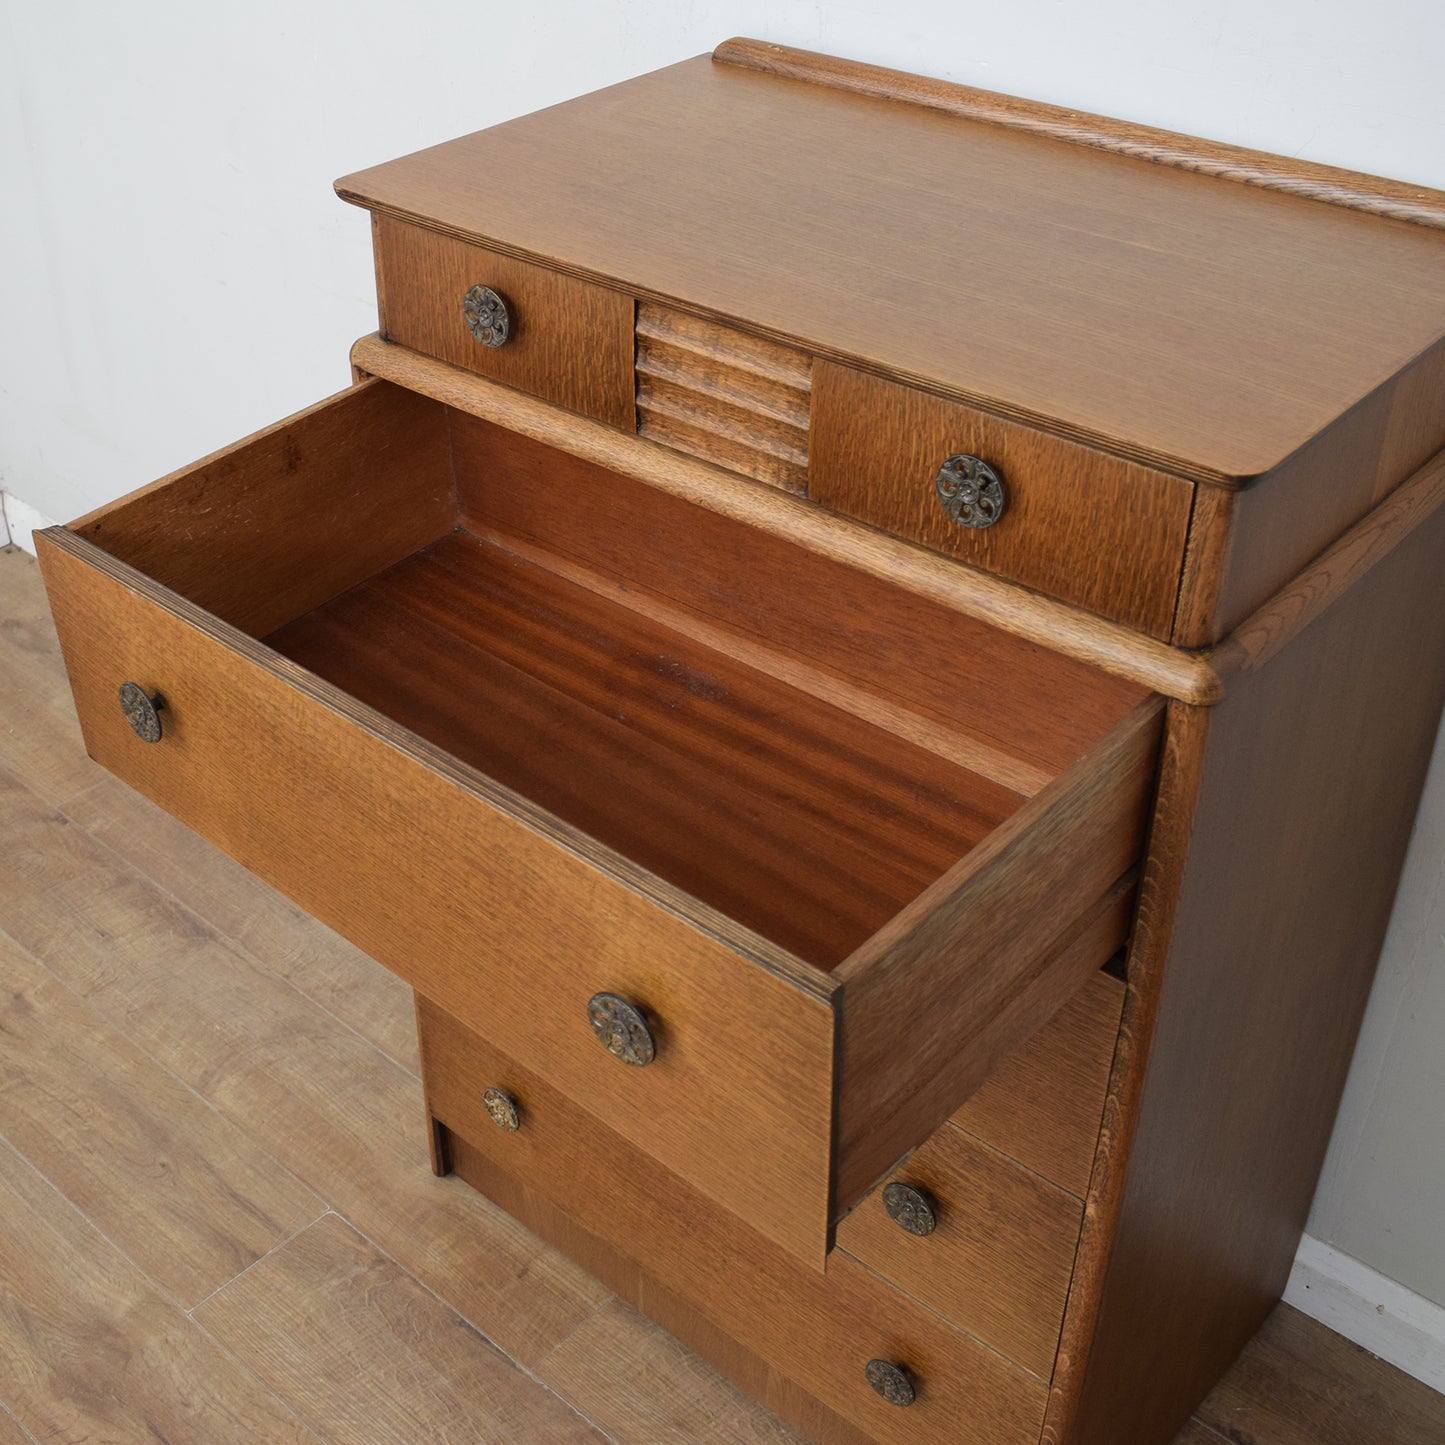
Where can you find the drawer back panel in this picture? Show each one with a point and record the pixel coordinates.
(961, 676)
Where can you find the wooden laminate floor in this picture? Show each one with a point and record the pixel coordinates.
(216, 1218)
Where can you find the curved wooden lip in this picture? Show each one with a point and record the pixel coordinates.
(1354, 190)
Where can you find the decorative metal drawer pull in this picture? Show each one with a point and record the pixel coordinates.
(502, 1110)
(971, 491)
(487, 316)
(891, 1381)
(142, 712)
(622, 1028)
(910, 1208)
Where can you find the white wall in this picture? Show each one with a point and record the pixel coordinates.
(175, 272)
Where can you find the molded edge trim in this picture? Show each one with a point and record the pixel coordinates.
(1354, 190)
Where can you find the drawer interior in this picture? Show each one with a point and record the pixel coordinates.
(799, 746)
(800, 820)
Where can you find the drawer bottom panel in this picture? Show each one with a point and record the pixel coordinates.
(819, 1330)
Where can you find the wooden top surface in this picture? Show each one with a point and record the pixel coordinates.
(1189, 321)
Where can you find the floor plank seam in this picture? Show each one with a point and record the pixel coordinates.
(75, 1209)
(585, 1320)
(1210, 1431)
(132, 867)
(280, 1244)
(10, 1415)
(214, 929)
(250, 1374)
(446, 1304)
(123, 1033)
(434, 1293)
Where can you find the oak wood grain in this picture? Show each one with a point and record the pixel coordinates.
(1205, 328)
(724, 396)
(469, 892)
(1377, 195)
(1260, 1002)
(1274, 530)
(1068, 630)
(761, 1295)
(322, 964)
(793, 817)
(90, 1349)
(191, 1206)
(640, 1385)
(1180, 767)
(264, 530)
(997, 1263)
(328, 1308)
(324, 1103)
(1206, 555)
(1043, 1104)
(1329, 578)
(570, 343)
(934, 1000)
(1078, 524)
(645, 548)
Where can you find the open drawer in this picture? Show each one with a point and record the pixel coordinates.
(762, 861)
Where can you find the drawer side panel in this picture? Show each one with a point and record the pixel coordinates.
(989, 953)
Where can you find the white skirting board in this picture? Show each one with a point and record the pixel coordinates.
(1349, 1297)
(1376, 1313)
(21, 521)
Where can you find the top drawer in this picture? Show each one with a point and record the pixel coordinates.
(806, 853)
(564, 340)
(1077, 523)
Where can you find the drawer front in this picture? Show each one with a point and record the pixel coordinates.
(568, 341)
(1079, 524)
(503, 917)
(821, 1330)
(998, 1248)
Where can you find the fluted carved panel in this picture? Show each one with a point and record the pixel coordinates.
(724, 396)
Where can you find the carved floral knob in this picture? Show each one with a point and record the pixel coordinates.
(486, 315)
(141, 711)
(910, 1208)
(971, 491)
(502, 1109)
(622, 1029)
(891, 1381)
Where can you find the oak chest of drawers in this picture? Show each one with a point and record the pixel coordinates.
(869, 650)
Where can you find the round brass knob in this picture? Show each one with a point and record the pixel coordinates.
(142, 712)
(910, 1208)
(891, 1381)
(486, 315)
(622, 1028)
(971, 491)
(502, 1110)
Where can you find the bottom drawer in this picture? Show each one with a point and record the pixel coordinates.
(824, 1331)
